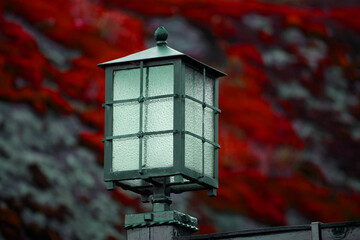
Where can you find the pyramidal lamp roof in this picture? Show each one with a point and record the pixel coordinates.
(159, 52)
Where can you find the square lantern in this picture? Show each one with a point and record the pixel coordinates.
(161, 120)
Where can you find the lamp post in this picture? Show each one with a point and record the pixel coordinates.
(161, 133)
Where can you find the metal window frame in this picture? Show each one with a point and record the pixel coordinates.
(184, 179)
(216, 111)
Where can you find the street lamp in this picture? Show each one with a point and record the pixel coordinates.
(161, 128)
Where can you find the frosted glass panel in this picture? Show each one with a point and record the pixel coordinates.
(158, 151)
(125, 155)
(158, 115)
(127, 84)
(193, 117)
(209, 124)
(126, 118)
(209, 160)
(158, 80)
(193, 153)
(209, 91)
(193, 83)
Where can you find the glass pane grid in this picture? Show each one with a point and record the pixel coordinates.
(205, 103)
(200, 125)
(138, 108)
(193, 123)
(207, 139)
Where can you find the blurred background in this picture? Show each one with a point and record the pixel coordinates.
(289, 127)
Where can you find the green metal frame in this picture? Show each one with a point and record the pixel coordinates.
(184, 179)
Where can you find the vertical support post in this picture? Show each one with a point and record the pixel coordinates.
(203, 125)
(109, 78)
(161, 199)
(315, 231)
(164, 232)
(179, 118)
(162, 223)
(216, 131)
(141, 116)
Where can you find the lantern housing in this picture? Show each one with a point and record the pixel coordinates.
(161, 120)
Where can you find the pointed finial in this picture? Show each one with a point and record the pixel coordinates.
(160, 36)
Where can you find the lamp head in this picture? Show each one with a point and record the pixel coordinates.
(161, 121)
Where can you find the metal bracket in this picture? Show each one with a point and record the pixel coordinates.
(160, 218)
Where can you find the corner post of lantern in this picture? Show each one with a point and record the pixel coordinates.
(161, 134)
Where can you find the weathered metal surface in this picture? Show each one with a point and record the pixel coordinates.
(174, 218)
(314, 231)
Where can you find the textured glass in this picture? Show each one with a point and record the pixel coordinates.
(193, 83)
(209, 91)
(127, 84)
(158, 80)
(126, 118)
(193, 117)
(193, 153)
(158, 151)
(158, 115)
(209, 124)
(209, 160)
(125, 155)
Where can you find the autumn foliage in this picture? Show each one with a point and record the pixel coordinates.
(264, 170)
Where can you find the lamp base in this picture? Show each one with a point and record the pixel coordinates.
(159, 225)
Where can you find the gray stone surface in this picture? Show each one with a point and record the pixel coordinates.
(32, 144)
